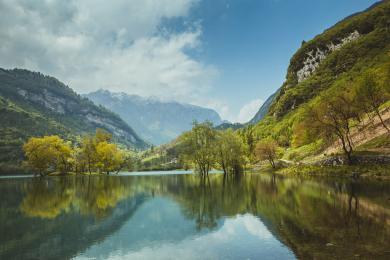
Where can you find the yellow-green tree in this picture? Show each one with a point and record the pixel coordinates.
(48, 153)
(102, 136)
(109, 157)
(79, 164)
(88, 156)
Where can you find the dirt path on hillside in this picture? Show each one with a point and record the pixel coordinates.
(364, 134)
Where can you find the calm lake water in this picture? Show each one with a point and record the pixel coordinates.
(179, 216)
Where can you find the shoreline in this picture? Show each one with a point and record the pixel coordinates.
(375, 172)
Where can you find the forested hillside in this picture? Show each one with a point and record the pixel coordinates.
(32, 104)
(342, 73)
(335, 100)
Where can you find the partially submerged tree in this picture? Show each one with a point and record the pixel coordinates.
(266, 149)
(48, 153)
(109, 158)
(95, 153)
(230, 152)
(89, 150)
(88, 153)
(198, 147)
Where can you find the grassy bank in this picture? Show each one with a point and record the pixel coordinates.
(361, 171)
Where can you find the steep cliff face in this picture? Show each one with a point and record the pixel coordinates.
(314, 57)
(263, 109)
(155, 120)
(341, 49)
(32, 104)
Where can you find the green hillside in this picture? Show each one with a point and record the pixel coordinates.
(363, 41)
(32, 104)
(342, 74)
(333, 63)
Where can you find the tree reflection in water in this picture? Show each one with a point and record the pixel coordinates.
(316, 218)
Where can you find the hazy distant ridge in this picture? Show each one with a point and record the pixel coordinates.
(155, 120)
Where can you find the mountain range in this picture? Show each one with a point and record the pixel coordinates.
(32, 104)
(332, 64)
(155, 120)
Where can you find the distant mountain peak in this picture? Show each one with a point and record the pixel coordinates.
(157, 120)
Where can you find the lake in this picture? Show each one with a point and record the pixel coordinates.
(180, 216)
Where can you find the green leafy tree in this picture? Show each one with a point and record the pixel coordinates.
(230, 152)
(198, 147)
(370, 95)
(331, 117)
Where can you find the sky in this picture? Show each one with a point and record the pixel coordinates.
(229, 55)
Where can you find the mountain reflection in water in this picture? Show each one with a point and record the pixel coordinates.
(256, 216)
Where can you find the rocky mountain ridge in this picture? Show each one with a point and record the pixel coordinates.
(157, 121)
(338, 50)
(32, 104)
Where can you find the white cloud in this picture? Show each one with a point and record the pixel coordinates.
(225, 242)
(248, 111)
(117, 45)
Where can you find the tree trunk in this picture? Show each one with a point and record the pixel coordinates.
(271, 161)
(347, 152)
(381, 119)
(89, 166)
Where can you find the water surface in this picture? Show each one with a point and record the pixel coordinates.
(180, 216)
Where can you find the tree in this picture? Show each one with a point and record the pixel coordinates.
(370, 95)
(63, 151)
(48, 153)
(51, 153)
(249, 138)
(331, 116)
(102, 136)
(198, 147)
(109, 157)
(88, 154)
(78, 160)
(266, 149)
(230, 152)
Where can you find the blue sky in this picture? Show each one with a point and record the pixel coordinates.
(252, 41)
(225, 54)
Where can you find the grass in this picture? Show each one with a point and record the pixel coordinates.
(382, 141)
(365, 171)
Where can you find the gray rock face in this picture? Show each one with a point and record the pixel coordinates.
(46, 99)
(156, 121)
(315, 57)
(67, 113)
(360, 159)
